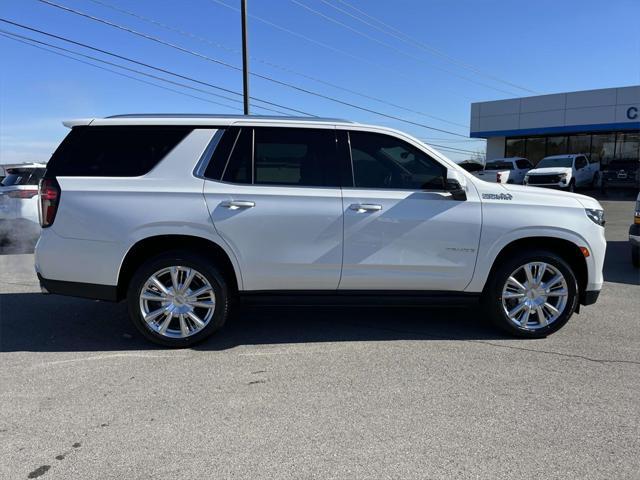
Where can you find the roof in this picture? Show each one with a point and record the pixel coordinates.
(200, 119)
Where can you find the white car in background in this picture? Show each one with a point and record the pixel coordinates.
(566, 172)
(19, 223)
(505, 170)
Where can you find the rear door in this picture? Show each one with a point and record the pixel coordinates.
(274, 197)
(403, 231)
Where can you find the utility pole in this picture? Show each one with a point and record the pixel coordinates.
(245, 57)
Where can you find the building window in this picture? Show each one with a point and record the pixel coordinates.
(556, 146)
(603, 147)
(536, 149)
(580, 144)
(515, 147)
(628, 146)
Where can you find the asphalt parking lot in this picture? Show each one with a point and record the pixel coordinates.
(321, 392)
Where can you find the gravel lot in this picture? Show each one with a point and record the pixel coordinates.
(321, 392)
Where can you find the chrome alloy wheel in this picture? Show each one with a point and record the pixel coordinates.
(535, 295)
(177, 302)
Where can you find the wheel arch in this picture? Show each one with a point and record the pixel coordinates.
(151, 246)
(566, 249)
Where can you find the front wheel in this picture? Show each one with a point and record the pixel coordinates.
(572, 185)
(178, 299)
(532, 294)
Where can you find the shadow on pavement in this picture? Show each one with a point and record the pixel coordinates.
(49, 323)
(617, 264)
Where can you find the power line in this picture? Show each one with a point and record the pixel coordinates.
(34, 43)
(27, 41)
(397, 50)
(143, 64)
(268, 63)
(133, 70)
(329, 47)
(264, 77)
(400, 35)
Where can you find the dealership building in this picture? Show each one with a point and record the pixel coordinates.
(605, 124)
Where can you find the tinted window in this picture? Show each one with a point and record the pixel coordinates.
(515, 147)
(523, 164)
(220, 155)
(562, 162)
(239, 166)
(382, 161)
(114, 151)
(22, 176)
(295, 156)
(581, 162)
(499, 166)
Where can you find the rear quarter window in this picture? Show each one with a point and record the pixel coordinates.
(114, 151)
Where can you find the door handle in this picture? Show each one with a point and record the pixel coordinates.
(236, 204)
(365, 207)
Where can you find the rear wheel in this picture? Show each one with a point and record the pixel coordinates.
(532, 294)
(178, 299)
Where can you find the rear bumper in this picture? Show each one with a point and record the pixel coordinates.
(107, 293)
(18, 229)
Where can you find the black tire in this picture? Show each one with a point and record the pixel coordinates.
(594, 181)
(492, 298)
(572, 186)
(635, 256)
(204, 266)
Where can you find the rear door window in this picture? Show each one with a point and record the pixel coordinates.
(301, 157)
(114, 151)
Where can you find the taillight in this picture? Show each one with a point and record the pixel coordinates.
(499, 177)
(49, 200)
(32, 192)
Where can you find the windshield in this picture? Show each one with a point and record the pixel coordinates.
(22, 176)
(499, 166)
(565, 162)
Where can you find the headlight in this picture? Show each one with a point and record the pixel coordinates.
(564, 175)
(526, 178)
(596, 216)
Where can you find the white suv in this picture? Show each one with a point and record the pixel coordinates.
(19, 203)
(564, 171)
(182, 215)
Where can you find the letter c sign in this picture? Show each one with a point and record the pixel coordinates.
(632, 113)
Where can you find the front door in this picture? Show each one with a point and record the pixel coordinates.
(403, 231)
(278, 206)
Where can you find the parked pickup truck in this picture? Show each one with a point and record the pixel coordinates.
(565, 172)
(505, 170)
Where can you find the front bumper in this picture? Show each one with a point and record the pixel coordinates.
(558, 185)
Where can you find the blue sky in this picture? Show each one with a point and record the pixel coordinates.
(454, 52)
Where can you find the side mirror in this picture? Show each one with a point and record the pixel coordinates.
(456, 185)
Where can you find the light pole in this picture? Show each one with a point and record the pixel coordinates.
(245, 57)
